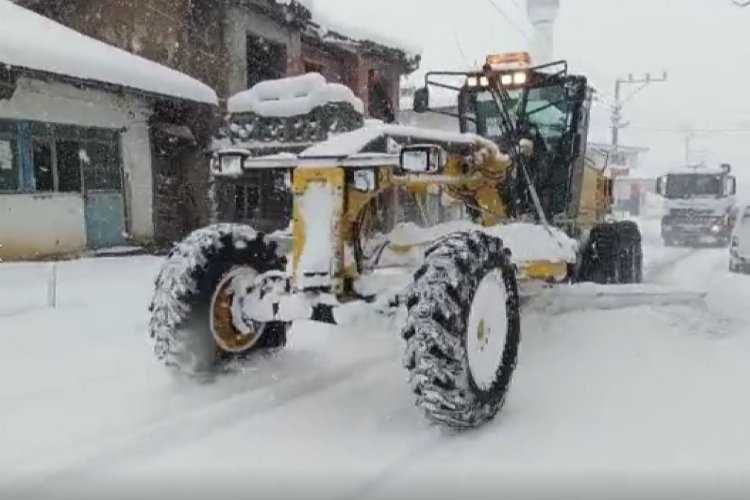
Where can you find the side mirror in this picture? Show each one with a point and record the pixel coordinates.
(422, 100)
(660, 181)
(732, 186)
(423, 159)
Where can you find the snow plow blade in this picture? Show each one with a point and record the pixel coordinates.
(588, 296)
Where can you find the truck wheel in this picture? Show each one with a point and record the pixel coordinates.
(630, 252)
(601, 259)
(463, 329)
(193, 293)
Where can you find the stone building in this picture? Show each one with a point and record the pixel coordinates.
(83, 127)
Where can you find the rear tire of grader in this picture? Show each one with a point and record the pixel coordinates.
(184, 306)
(613, 254)
(463, 329)
(631, 252)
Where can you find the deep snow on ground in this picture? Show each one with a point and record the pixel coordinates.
(638, 402)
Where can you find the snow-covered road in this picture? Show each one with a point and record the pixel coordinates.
(638, 402)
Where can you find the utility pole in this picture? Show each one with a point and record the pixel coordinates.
(617, 122)
(689, 136)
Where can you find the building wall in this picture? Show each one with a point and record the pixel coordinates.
(38, 100)
(38, 225)
(337, 67)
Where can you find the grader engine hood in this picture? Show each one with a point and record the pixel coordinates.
(318, 248)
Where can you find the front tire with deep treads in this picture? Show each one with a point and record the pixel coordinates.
(463, 329)
(180, 324)
(613, 254)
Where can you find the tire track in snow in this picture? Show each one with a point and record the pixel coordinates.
(696, 269)
(656, 271)
(191, 426)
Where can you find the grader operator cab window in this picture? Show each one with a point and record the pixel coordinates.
(546, 110)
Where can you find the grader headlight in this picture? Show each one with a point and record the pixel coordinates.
(515, 79)
(477, 81)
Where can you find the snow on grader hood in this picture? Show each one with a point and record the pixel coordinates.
(229, 291)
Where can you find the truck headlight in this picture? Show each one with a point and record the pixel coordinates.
(364, 180)
(716, 229)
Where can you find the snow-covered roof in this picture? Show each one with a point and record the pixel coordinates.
(696, 170)
(31, 41)
(333, 31)
(292, 96)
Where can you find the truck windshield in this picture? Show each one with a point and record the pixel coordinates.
(690, 185)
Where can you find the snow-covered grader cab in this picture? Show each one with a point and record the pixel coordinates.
(231, 290)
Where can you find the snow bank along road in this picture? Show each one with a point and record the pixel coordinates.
(640, 402)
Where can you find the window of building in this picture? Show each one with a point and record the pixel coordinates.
(61, 158)
(41, 154)
(380, 104)
(9, 162)
(68, 166)
(313, 67)
(265, 199)
(266, 60)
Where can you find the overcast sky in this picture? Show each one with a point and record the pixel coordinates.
(701, 43)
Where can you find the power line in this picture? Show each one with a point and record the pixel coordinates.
(509, 20)
(693, 130)
(619, 103)
(518, 5)
(460, 48)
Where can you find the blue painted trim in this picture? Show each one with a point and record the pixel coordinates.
(27, 182)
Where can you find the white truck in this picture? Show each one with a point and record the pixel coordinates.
(699, 206)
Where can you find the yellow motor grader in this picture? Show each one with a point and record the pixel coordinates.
(535, 209)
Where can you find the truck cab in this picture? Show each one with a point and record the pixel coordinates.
(699, 204)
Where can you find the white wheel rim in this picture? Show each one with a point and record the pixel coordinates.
(488, 330)
(238, 279)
